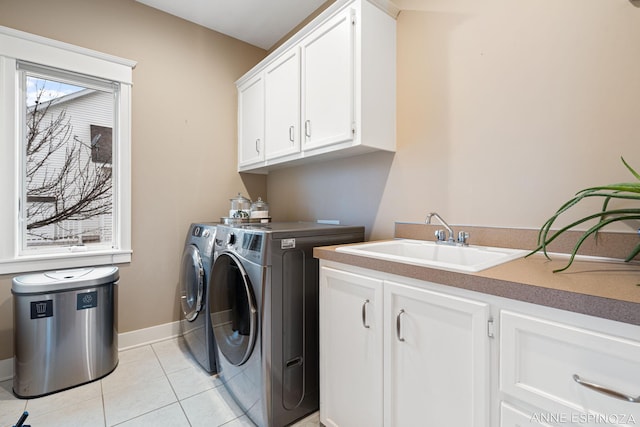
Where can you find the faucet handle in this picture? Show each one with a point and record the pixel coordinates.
(463, 237)
(440, 235)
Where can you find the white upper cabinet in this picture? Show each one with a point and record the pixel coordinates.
(329, 91)
(327, 83)
(251, 122)
(282, 105)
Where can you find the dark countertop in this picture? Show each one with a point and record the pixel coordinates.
(603, 289)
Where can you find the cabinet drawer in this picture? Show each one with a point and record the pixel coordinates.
(541, 360)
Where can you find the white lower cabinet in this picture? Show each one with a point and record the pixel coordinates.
(398, 352)
(394, 354)
(572, 375)
(436, 358)
(350, 349)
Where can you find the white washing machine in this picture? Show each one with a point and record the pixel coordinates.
(195, 324)
(264, 306)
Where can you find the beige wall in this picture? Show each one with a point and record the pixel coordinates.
(504, 110)
(183, 139)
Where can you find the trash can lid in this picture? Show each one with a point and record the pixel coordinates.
(60, 280)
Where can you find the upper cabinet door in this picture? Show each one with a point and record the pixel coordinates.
(251, 122)
(282, 103)
(328, 83)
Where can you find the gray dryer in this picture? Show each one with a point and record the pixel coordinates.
(264, 305)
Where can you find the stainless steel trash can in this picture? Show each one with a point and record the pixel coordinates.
(65, 333)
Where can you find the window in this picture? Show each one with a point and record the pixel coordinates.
(66, 175)
(65, 163)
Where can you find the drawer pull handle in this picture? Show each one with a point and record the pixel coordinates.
(604, 390)
(399, 326)
(364, 314)
(291, 135)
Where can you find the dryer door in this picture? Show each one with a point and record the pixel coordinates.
(233, 309)
(191, 282)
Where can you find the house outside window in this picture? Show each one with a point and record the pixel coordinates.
(67, 163)
(65, 155)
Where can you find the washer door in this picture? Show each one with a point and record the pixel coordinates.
(191, 282)
(233, 309)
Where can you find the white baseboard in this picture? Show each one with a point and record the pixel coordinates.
(146, 336)
(6, 369)
(126, 341)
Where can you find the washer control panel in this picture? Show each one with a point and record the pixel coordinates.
(202, 235)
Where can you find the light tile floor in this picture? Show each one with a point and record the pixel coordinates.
(154, 385)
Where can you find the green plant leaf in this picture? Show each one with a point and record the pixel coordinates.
(626, 212)
(633, 253)
(544, 230)
(621, 214)
(591, 231)
(630, 169)
(605, 216)
(630, 187)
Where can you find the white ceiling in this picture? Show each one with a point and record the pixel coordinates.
(258, 22)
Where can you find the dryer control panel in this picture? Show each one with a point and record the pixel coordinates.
(248, 244)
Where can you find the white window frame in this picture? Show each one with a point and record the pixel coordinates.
(20, 46)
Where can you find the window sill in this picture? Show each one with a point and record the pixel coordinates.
(61, 261)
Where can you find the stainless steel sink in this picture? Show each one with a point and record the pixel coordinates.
(429, 254)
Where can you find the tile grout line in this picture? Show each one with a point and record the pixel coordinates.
(171, 385)
(157, 409)
(191, 396)
(143, 414)
(104, 408)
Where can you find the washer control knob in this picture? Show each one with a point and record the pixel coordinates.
(231, 239)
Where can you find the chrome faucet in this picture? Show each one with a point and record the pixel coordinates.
(441, 237)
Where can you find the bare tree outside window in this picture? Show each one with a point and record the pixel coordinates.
(68, 171)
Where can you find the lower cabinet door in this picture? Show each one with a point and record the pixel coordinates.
(436, 359)
(350, 349)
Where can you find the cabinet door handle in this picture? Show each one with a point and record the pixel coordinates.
(291, 136)
(399, 326)
(307, 128)
(605, 390)
(364, 315)
(258, 145)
